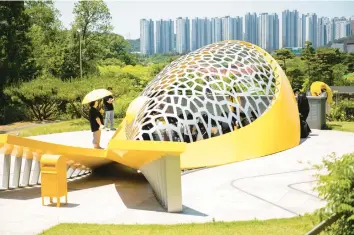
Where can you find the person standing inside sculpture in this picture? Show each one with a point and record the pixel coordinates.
(96, 121)
(109, 110)
(303, 105)
(304, 110)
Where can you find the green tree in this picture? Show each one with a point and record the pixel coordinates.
(322, 66)
(92, 16)
(49, 42)
(92, 20)
(16, 61)
(349, 61)
(117, 47)
(308, 55)
(296, 77)
(40, 96)
(284, 55)
(339, 70)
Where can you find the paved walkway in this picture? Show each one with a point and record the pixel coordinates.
(275, 186)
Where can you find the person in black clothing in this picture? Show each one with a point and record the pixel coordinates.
(304, 110)
(108, 110)
(96, 121)
(303, 105)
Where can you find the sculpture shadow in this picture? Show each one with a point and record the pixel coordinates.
(135, 191)
(132, 188)
(34, 191)
(63, 205)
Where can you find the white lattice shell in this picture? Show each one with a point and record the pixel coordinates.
(206, 93)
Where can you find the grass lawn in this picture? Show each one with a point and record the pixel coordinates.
(341, 126)
(291, 226)
(65, 126)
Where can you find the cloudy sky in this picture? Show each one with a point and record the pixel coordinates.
(127, 13)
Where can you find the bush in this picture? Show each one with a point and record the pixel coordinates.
(48, 98)
(121, 104)
(343, 111)
(13, 113)
(337, 188)
(40, 96)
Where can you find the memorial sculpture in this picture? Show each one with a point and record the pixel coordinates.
(226, 102)
(218, 93)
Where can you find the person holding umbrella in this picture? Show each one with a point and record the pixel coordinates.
(95, 117)
(96, 120)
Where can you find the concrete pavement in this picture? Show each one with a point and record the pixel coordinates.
(275, 186)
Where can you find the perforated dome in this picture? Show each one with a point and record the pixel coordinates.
(209, 92)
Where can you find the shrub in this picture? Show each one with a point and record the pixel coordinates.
(337, 188)
(343, 111)
(125, 88)
(49, 98)
(10, 113)
(40, 96)
(121, 104)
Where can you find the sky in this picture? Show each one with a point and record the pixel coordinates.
(126, 14)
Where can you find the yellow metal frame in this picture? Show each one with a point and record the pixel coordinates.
(134, 154)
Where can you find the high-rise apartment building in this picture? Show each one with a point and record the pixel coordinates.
(201, 33)
(182, 35)
(290, 28)
(164, 36)
(322, 32)
(339, 28)
(262, 30)
(232, 28)
(309, 29)
(251, 28)
(216, 29)
(147, 37)
(268, 31)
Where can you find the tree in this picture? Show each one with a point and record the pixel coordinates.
(117, 47)
(48, 40)
(322, 66)
(284, 55)
(92, 20)
(16, 61)
(92, 16)
(40, 96)
(339, 70)
(308, 54)
(296, 77)
(349, 61)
